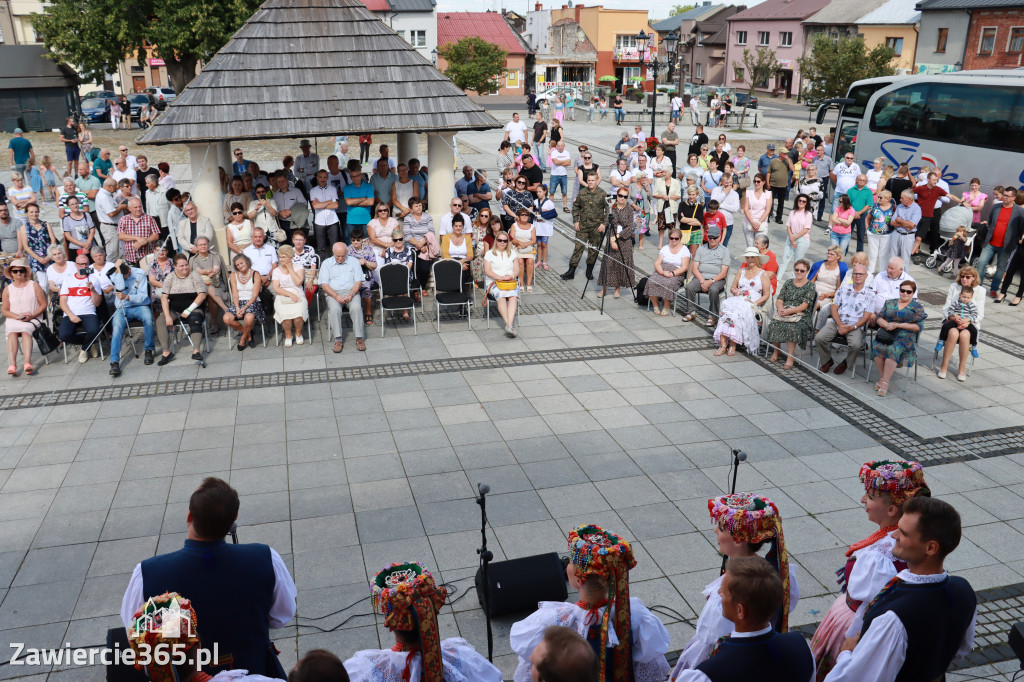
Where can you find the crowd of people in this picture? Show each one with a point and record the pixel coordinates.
(899, 615)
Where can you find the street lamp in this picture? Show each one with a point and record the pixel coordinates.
(671, 43)
(433, 56)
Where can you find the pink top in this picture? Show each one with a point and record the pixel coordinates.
(799, 221)
(846, 214)
(975, 204)
(22, 301)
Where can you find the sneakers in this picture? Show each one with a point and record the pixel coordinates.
(938, 347)
(287, 343)
(974, 352)
(115, 369)
(299, 340)
(94, 350)
(83, 357)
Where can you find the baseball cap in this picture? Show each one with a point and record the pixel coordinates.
(771, 146)
(304, 143)
(18, 130)
(714, 232)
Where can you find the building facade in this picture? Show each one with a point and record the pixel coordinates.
(970, 34)
(774, 25)
(413, 20)
(895, 24)
(563, 52)
(613, 33)
(705, 47)
(995, 39)
(495, 29)
(942, 37)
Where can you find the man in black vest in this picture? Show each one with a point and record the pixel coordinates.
(751, 595)
(923, 619)
(241, 590)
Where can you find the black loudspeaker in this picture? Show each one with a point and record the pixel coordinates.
(1017, 641)
(117, 638)
(518, 584)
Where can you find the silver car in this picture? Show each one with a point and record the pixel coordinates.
(163, 95)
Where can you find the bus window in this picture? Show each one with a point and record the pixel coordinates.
(847, 138)
(860, 96)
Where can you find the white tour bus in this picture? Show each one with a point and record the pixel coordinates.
(967, 124)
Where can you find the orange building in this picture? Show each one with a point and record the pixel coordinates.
(613, 32)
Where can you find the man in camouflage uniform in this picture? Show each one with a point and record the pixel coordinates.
(589, 212)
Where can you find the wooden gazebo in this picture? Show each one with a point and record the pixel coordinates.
(311, 68)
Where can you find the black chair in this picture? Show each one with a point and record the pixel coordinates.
(395, 293)
(448, 289)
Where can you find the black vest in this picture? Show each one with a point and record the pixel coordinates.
(935, 616)
(232, 590)
(770, 657)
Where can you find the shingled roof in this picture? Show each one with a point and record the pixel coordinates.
(305, 68)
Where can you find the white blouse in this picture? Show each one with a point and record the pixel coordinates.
(673, 260)
(459, 660)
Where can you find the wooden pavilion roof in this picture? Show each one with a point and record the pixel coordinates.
(305, 68)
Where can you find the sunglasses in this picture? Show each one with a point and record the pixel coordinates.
(758, 182)
(122, 150)
(236, 213)
(398, 239)
(906, 291)
(502, 241)
(382, 210)
(520, 182)
(18, 271)
(673, 239)
(238, 153)
(586, 158)
(799, 269)
(456, 205)
(802, 201)
(622, 196)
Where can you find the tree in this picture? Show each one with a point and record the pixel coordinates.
(97, 35)
(834, 65)
(679, 9)
(474, 64)
(757, 67)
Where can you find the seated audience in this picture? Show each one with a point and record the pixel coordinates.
(710, 270)
(899, 323)
(291, 310)
(793, 321)
(849, 314)
(245, 309)
(181, 299)
(751, 290)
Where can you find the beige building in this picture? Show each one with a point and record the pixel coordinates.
(896, 24)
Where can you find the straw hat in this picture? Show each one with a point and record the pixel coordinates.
(17, 263)
(752, 252)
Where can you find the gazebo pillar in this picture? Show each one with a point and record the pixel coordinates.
(408, 146)
(206, 190)
(224, 156)
(441, 175)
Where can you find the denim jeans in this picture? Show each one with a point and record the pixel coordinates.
(620, 115)
(559, 181)
(824, 195)
(140, 313)
(791, 255)
(67, 333)
(840, 240)
(1001, 254)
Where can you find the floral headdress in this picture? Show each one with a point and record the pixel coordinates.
(900, 480)
(753, 518)
(595, 551)
(407, 597)
(163, 621)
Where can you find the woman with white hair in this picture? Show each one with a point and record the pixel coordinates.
(191, 228)
(290, 308)
(20, 195)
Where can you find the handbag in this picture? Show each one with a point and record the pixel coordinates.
(792, 317)
(885, 337)
(44, 338)
(744, 183)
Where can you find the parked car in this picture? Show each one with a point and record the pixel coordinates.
(163, 94)
(96, 110)
(108, 94)
(740, 98)
(549, 93)
(137, 100)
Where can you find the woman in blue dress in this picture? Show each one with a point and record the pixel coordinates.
(901, 320)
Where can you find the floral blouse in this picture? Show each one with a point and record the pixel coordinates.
(880, 219)
(160, 272)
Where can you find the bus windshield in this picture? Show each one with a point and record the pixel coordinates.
(860, 94)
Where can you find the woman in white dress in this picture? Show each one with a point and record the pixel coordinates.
(408, 598)
(757, 208)
(290, 307)
(751, 289)
(744, 522)
(870, 564)
(501, 275)
(728, 203)
(631, 638)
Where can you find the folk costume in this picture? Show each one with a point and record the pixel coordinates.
(629, 640)
(870, 564)
(764, 655)
(408, 598)
(748, 518)
(167, 625)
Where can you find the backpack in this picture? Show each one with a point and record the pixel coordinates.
(640, 297)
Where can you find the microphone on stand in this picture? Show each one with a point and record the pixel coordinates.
(737, 457)
(485, 559)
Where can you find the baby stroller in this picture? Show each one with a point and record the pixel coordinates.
(949, 221)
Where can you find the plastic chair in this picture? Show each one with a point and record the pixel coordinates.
(262, 327)
(395, 293)
(447, 274)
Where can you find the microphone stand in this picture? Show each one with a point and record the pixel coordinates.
(485, 559)
(737, 457)
(604, 250)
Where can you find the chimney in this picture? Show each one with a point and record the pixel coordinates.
(577, 8)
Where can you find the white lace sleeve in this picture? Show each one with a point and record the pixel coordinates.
(378, 665)
(872, 570)
(710, 626)
(650, 637)
(462, 663)
(794, 588)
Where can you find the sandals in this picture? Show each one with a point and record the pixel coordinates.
(689, 317)
(13, 370)
(664, 312)
(883, 388)
(29, 370)
(720, 351)
(732, 351)
(773, 359)
(368, 320)
(657, 310)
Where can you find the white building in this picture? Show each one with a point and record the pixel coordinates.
(414, 20)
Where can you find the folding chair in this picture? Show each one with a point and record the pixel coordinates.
(447, 274)
(261, 326)
(395, 293)
(182, 327)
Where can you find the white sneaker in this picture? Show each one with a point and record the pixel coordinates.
(287, 343)
(299, 340)
(941, 375)
(94, 350)
(83, 357)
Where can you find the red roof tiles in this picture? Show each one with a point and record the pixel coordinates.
(491, 26)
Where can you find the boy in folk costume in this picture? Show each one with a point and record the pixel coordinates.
(743, 522)
(408, 598)
(870, 563)
(629, 640)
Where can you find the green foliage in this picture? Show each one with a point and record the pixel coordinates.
(474, 64)
(97, 35)
(834, 65)
(679, 9)
(757, 67)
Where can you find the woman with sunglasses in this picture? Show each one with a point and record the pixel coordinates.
(501, 265)
(901, 320)
(79, 230)
(666, 192)
(524, 243)
(160, 268)
(959, 338)
(22, 302)
(798, 230)
(751, 289)
(585, 167)
(617, 265)
(515, 199)
(238, 230)
(58, 269)
(757, 208)
(34, 238)
(692, 166)
(401, 252)
(479, 231)
(245, 309)
(670, 268)
(418, 228)
(379, 229)
(793, 322)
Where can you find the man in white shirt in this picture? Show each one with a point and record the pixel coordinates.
(515, 130)
(324, 199)
(621, 176)
(843, 176)
(122, 172)
(306, 166)
(886, 285)
(79, 296)
(264, 261)
(110, 212)
(638, 136)
(559, 161)
(695, 111)
(642, 168)
(446, 219)
(130, 161)
(337, 178)
(676, 106)
(156, 202)
(923, 619)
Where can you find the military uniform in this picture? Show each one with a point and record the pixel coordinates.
(589, 210)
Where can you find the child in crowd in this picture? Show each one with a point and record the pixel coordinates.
(34, 177)
(957, 249)
(963, 309)
(712, 216)
(50, 175)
